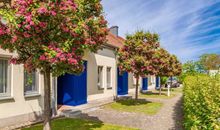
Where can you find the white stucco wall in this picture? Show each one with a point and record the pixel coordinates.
(132, 82)
(22, 109)
(19, 105)
(105, 58)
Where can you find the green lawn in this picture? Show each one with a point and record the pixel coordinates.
(155, 93)
(79, 124)
(138, 106)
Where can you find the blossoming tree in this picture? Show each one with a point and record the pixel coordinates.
(162, 65)
(52, 36)
(136, 56)
(175, 69)
(167, 66)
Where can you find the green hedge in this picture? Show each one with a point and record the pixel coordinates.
(202, 102)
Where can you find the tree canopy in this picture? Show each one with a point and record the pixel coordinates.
(52, 36)
(52, 33)
(136, 56)
(210, 61)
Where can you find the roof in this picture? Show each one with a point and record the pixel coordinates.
(115, 41)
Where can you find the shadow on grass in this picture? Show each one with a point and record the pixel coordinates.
(133, 102)
(156, 93)
(88, 123)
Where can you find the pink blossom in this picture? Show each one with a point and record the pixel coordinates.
(8, 30)
(65, 29)
(2, 32)
(19, 25)
(42, 57)
(13, 61)
(42, 10)
(28, 18)
(72, 61)
(53, 60)
(26, 35)
(28, 27)
(53, 13)
(32, 23)
(59, 54)
(69, 55)
(14, 39)
(62, 58)
(42, 24)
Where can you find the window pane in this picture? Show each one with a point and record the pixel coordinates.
(3, 75)
(30, 82)
(108, 77)
(100, 69)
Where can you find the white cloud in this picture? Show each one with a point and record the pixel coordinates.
(179, 23)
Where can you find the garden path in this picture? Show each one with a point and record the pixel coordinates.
(168, 118)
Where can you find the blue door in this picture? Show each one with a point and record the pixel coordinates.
(72, 89)
(122, 83)
(157, 82)
(144, 83)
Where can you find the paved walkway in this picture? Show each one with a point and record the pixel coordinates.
(168, 118)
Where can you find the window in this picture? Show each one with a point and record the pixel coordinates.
(100, 77)
(4, 78)
(108, 76)
(30, 84)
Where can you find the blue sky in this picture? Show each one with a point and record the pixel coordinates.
(187, 28)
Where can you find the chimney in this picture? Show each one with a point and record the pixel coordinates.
(114, 30)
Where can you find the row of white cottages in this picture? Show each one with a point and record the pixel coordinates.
(20, 102)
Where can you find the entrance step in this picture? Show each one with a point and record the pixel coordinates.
(124, 97)
(73, 111)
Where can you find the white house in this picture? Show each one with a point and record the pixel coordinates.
(21, 102)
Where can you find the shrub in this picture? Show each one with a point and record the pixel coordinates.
(202, 102)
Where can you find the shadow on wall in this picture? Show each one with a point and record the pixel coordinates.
(7, 101)
(36, 116)
(92, 78)
(131, 81)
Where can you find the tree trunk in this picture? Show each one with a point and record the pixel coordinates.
(47, 100)
(171, 83)
(160, 89)
(137, 83)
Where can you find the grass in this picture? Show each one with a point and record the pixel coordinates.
(155, 93)
(79, 124)
(137, 106)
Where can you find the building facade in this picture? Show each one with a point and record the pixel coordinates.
(21, 94)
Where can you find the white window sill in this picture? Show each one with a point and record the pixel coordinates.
(6, 98)
(30, 95)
